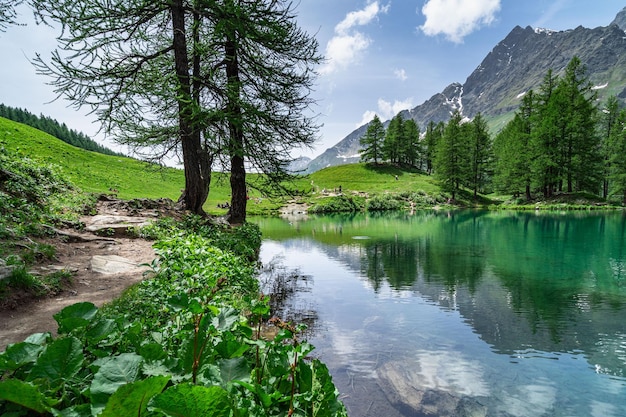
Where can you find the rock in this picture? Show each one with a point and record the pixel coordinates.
(408, 389)
(112, 225)
(111, 264)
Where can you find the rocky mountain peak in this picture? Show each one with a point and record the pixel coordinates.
(620, 19)
(515, 65)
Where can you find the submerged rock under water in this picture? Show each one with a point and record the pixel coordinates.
(403, 388)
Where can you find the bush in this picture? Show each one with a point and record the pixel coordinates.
(338, 204)
(383, 203)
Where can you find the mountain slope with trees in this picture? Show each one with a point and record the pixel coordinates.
(516, 65)
(56, 129)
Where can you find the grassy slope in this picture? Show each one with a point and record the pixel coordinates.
(94, 172)
(98, 173)
(372, 179)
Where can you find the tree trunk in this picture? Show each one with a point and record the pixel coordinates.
(239, 195)
(196, 182)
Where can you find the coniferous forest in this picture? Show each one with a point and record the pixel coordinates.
(54, 128)
(560, 140)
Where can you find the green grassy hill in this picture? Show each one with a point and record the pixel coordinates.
(372, 179)
(91, 171)
(98, 173)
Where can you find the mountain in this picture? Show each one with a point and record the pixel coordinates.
(515, 65)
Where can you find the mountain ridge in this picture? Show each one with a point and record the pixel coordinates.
(515, 65)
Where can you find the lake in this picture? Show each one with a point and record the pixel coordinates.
(462, 313)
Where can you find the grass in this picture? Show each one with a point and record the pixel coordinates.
(130, 178)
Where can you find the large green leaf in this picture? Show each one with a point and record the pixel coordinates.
(25, 394)
(113, 373)
(188, 400)
(226, 319)
(75, 316)
(18, 355)
(131, 400)
(81, 410)
(236, 369)
(61, 360)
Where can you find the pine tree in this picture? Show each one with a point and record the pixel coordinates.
(372, 141)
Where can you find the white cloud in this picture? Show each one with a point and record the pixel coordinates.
(386, 110)
(368, 116)
(348, 44)
(401, 74)
(457, 18)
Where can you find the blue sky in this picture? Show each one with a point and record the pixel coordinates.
(381, 56)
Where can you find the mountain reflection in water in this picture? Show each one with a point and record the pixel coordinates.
(482, 313)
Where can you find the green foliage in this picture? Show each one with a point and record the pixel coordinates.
(372, 142)
(54, 128)
(173, 345)
(552, 145)
(337, 204)
(383, 203)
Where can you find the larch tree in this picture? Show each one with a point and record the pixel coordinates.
(372, 141)
(263, 77)
(608, 131)
(221, 80)
(134, 65)
(546, 166)
(393, 140)
(580, 143)
(451, 162)
(480, 154)
(411, 148)
(434, 132)
(513, 152)
(8, 13)
(617, 173)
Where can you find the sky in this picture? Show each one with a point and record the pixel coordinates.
(381, 57)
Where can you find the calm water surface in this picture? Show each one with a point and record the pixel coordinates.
(464, 313)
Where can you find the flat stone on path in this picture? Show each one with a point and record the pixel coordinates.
(111, 264)
(110, 225)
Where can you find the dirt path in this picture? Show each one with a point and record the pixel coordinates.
(102, 268)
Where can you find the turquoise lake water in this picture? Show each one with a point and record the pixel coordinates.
(463, 313)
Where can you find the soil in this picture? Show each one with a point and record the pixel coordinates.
(102, 266)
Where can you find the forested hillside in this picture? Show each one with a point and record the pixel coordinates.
(54, 128)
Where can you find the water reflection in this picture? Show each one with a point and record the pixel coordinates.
(537, 289)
